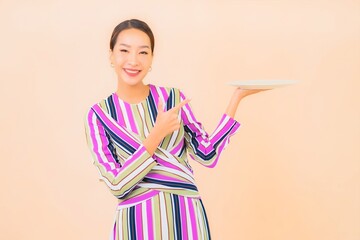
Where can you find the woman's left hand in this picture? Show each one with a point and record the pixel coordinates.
(239, 94)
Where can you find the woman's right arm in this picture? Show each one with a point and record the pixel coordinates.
(120, 179)
(166, 123)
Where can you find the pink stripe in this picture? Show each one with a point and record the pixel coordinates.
(119, 115)
(192, 219)
(167, 164)
(150, 220)
(164, 93)
(220, 149)
(223, 131)
(103, 140)
(155, 95)
(135, 156)
(138, 220)
(215, 138)
(190, 117)
(183, 218)
(177, 148)
(131, 118)
(116, 129)
(139, 198)
(182, 96)
(114, 235)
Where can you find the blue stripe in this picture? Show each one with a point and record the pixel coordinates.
(195, 143)
(206, 220)
(110, 103)
(170, 101)
(132, 227)
(121, 143)
(177, 222)
(113, 150)
(152, 108)
(171, 184)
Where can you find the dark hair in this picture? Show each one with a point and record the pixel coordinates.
(129, 24)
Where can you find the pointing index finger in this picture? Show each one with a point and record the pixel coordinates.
(181, 104)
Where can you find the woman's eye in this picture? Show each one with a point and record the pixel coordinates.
(123, 50)
(144, 52)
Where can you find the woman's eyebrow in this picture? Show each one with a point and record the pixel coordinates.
(128, 46)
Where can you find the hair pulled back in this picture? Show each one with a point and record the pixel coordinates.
(129, 24)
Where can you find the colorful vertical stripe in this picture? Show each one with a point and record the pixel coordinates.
(175, 217)
(158, 197)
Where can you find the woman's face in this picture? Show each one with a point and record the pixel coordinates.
(131, 56)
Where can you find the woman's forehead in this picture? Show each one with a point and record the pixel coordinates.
(133, 37)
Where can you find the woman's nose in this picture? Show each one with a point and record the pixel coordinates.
(132, 59)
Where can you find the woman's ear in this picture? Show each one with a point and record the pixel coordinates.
(111, 57)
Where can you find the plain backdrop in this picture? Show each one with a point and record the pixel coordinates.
(291, 172)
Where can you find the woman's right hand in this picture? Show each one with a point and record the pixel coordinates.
(168, 121)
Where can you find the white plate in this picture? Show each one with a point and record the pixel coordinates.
(262, 84)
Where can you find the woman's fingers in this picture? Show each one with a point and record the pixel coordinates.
(180, 105)
(160, 106)
(251, 91)
(168, 121)
(176, 108)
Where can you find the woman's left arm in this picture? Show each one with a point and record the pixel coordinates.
(202, 147)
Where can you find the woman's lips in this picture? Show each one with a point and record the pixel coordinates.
(132, 72)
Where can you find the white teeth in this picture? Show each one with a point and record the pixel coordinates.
(132, 71)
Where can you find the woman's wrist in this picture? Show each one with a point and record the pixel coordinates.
(153, 140)
(155, 134)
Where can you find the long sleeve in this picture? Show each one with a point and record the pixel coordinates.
(201, 147)
(121, 179)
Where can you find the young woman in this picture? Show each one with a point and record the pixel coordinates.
(140, 138)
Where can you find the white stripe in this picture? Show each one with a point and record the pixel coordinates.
(173, 215)
(153, 186)
(142, 114)
(200, 219)
(128, 178)
(176, 172)
(144, 221)
(193, 121)
(124, 112)
(171, 189)
(120, 224)
(173, 138)
(124, 181)
(163, 217)
(220, 127)
(205, 144)
(137, 123)
(188, 221)
(153, 217)
(159, 92)
(109, 118)
(170, 158)
(99, 143)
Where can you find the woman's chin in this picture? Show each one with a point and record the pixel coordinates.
(133, 82)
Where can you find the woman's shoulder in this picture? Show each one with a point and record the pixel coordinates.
(101, 104)
(167, 90)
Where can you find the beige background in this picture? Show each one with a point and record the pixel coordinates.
(291, 172)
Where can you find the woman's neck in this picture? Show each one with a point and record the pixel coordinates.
(132, 94)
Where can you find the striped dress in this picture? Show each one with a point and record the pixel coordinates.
(157, 195)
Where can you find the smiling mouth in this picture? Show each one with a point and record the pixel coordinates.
(132, 72)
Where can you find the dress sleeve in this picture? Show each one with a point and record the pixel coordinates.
(201, 147)
(120, 179)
